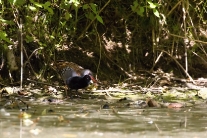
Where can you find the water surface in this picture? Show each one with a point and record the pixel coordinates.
(86, 118)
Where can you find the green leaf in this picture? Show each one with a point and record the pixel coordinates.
(29, 39)
(134, 7)
(52, 37)
(63, 23)
(47, 4)
(67, 15)
(32, 8)
(152, 5)
(90, 15)
(99, 19)
(3, 36)
(140, 11)
(17, 2)
(93, 6)
(6, 21)
(50, 10)
(85, 6)
(75, 2)
(156, 13)
(37, 4)
(135, 3)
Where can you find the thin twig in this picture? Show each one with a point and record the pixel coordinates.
(108, 94)
(22, 58)
(2, 61)
(199, 41)
(158, 58)
(15, 15)
(180, 66)
(173, 8)
(32, 55)
(128, 74)
(200, 57)
(100, 51)
(158, 128)
(40, 82)
(185, 121)
(28, 62)
(185, 33)
(24, 103)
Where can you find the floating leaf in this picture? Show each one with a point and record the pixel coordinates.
(35, 131)
(28, 122)
(24, 115)
(44, 112)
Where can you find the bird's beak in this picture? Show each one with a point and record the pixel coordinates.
(93, 79)
(91, 82)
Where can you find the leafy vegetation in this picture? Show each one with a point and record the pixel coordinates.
(117, 37)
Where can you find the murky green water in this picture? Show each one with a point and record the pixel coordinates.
(85, 118)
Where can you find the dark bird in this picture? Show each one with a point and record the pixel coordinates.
(78, 82)
(75, 81)
(76, 77)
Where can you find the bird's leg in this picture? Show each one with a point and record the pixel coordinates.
(69, 94)
(66, 91)
(72, 93)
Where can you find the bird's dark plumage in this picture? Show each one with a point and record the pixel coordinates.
(74, 76)
(75, 81)
(78, 82)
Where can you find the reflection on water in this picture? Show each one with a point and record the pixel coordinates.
(86, 118)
